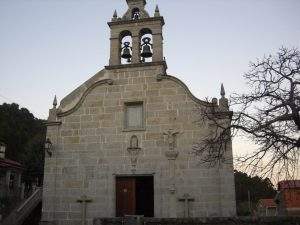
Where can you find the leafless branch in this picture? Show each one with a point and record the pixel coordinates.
(268, 115)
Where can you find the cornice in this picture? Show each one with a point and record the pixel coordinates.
(83, 96)
(151, 19)
(52, 123)
(178, 81)
(135, 65)
(224, 114)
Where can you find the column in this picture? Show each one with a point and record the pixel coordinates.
(136, 50)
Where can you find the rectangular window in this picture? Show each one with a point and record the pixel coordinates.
(134, 116)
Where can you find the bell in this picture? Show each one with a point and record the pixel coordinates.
(146, 52)
(146, 49)
(126, 51)
(126, 54)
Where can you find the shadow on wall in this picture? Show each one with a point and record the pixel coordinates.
(197, 221)
(35, 216)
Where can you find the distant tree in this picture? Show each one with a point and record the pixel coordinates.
(268, 115)
(24, 136)
(254, 187)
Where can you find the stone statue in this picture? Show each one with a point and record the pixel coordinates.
(171, 136)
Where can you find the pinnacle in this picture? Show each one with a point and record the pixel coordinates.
(55, 102)
(115, 14)
(222, 91)
(157, 13)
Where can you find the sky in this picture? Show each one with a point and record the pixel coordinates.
(50, 47)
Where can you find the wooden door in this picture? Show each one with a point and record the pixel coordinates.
(144, 196)
(125, 196)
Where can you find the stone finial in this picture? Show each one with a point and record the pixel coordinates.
(55, 102)
(53, 112)
(157, 13)
(222, 91)
(223, 102)
(115, 16)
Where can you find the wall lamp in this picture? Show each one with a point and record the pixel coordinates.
(48, 147)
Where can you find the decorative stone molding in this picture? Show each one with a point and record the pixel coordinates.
(172, 189)
(150, 19)
(172, 138)
(161, 77)
(136, 65)
(83, 96)
(171, 154)
(134, 151)
(52, 123)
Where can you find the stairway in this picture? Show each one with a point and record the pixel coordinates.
(18, 215)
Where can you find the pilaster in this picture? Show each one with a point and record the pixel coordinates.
(157, 47)
(136, 49)
(115, 53)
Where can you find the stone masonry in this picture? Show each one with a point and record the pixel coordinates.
(90, 147)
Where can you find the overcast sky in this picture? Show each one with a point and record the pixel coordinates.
(50, 47)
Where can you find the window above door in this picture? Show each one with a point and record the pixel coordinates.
(134, 118)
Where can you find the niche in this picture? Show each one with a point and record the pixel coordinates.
(136, 14)
(126, 47)
(146, 45)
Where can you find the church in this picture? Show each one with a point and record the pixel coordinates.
(122, 142)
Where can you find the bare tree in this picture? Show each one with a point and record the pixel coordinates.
(268, 115)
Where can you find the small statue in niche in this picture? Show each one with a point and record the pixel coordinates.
(134, 142)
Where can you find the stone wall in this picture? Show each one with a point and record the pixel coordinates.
(90, 148)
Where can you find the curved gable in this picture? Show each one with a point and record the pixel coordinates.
(183, 85)
(72, 101)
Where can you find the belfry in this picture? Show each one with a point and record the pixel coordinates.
(136, 37)
(122, 142)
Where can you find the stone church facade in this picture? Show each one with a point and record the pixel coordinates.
(123, 140)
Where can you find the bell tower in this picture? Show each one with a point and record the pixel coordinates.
(136, 37)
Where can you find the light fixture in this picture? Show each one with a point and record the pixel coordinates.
(2, 150)
(48, 147)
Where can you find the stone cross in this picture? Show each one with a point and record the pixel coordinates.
(186, 198)
(84, 200)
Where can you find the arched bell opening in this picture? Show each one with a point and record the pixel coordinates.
(126, 47)
(146, 45)
(136, 14)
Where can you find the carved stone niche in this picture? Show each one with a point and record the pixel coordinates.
(171, 135)
(171, 154)
(134, 151)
